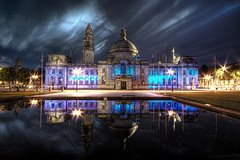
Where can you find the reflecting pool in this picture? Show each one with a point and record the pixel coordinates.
(120, 129)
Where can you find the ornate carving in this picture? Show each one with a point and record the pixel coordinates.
(57, 59)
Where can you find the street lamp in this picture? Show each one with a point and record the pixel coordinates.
(171, 72)
(224, 69)
(77, 72)
(34, 102)
(34, 76)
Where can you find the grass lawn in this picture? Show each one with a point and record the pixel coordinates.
(230, 100)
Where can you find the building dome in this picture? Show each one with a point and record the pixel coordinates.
(123, 48)
(123, 127)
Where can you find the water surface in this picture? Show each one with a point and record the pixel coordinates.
(93, 129)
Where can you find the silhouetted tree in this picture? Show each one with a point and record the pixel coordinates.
(23, 76)
(204, 68)
(7, 74)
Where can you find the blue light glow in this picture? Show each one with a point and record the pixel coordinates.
(121, 108)
(118, 70)
(170, 105)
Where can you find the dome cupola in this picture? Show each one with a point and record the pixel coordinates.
(123, 48)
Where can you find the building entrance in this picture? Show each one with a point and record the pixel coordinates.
(123, 85)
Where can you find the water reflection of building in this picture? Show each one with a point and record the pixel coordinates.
(122, 117)
(87, 130)
(56, 110)
(56, 117)
(102, 108)
(188, 113)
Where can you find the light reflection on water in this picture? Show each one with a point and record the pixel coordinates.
(115, 129)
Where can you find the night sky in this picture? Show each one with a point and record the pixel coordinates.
(195, 28)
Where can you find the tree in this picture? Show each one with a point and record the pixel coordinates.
(23, 76)
(219, 73)
(204, 68)
(235, 75)
(7, 74)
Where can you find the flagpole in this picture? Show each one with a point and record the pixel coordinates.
(41, 73)
(215, 66)
(153, 71)
(158, 69)
(182, 73)
(165, 68)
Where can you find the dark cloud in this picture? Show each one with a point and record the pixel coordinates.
(198, 28)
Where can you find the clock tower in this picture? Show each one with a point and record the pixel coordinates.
(88, 47)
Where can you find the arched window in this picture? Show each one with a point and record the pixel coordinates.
(52, 80)
(169, 81)
(123, 68)
(60, 80)
(70, 70)
(92, 80)
(184, 81)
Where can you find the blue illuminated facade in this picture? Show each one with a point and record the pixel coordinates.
(183, 75)
(107, 76)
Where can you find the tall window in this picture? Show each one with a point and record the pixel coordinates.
(81, 81)
(60, 80)
(169, 81)
(190, 80)
(190, 72)
(184, 72)
(70, 81)
(123, 68)
(60, 71)
(52, 80)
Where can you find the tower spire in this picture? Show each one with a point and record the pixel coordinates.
(159, 57)
(88, 46)
(173, 53)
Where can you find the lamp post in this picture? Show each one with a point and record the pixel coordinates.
(77, 72)
(171, 72)
(224, 69)
(34, 76)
